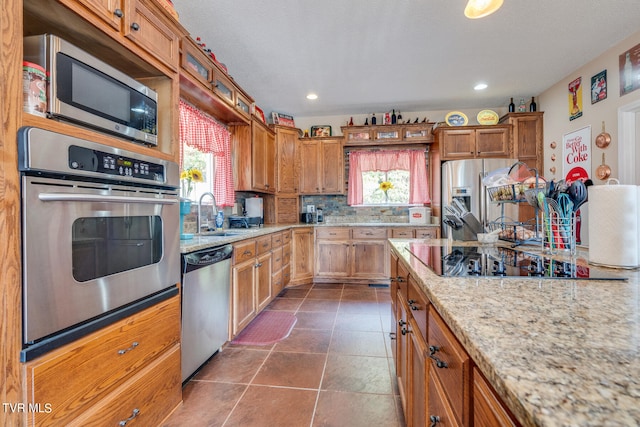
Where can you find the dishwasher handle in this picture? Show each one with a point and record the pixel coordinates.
(200, 259)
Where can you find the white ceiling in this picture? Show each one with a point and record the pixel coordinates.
(363, 56)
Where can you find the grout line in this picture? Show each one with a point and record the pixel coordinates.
(326, 360)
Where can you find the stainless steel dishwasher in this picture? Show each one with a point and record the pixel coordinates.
(206, 290)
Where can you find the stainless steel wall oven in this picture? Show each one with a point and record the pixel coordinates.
(100, 236)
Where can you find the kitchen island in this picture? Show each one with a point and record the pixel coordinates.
(556, 351)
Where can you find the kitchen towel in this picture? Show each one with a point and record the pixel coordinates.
(614, 226)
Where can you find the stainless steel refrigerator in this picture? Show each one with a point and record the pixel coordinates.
(462, 180)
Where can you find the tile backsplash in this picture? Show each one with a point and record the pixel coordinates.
(336, 210)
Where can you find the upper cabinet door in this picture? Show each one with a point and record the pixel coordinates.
(194, 61)
(223, 87)
(110, 11)
(149, 32)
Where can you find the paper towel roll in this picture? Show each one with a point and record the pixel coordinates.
(614, 228)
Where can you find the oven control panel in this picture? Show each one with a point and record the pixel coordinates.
(81, 158)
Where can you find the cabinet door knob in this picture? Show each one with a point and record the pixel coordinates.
(135, 26)
(434, 420)
(118, 13)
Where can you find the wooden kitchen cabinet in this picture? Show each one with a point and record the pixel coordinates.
(251, 281)
(409, 133)
(281, 209)
(286, 159)
(151, 33)
(469, 142)
(488, 410)
(527, 135)
(263, 152)
(451, 365)
(82, 377)
(302, 255)
(321, 165)
(355, 255)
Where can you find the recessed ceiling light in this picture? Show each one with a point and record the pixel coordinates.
(480, 86)
(312, 96)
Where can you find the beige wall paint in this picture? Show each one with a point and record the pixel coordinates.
(554, 103)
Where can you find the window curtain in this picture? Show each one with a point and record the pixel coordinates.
(204, 133)
(413, 161)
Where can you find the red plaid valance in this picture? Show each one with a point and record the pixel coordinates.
(204, 133)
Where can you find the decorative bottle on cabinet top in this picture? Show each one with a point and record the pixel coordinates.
(512, 106)
(373, 119)
(522, 107)
(533, 106)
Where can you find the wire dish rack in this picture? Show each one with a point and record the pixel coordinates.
(517, 232)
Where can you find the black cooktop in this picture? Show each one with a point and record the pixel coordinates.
(495, 261)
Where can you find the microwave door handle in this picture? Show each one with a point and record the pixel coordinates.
(63, 197)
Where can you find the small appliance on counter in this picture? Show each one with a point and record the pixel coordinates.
(306, 218)
(244, 221)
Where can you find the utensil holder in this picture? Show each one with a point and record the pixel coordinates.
(558, 232)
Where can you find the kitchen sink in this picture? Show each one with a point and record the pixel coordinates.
(213, 233)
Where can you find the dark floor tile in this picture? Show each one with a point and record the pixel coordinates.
(357, 374)
(358, 343)
(306, 341)
(328, 286)
(299, 370)
(285, 304)
(358, 322)
(365, 294)
(359, 307)
(330, 306)
(273, 406)
(294, 293)
(338, 409)
(205, 404)
(331, 294)
(315, 320)
(233, 365)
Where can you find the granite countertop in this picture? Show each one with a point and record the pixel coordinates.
(210, 240)
(558, 352)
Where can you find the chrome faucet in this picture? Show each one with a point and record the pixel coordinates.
(215, 209)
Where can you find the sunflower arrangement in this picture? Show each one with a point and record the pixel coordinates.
(385, 186)
(189, 178)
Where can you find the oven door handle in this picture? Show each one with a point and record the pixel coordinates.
(67, 197)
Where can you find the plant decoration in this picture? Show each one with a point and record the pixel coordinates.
(189, 178)
(385, 186)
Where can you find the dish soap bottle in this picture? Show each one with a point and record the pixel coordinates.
(219, 220)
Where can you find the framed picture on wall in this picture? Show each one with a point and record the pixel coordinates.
(629, 63)
(323, 130)
(599, 87)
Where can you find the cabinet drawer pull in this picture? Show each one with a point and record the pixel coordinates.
(439, 363)
(392, 335)
(258, 265)
(401, 322)
(434, 420)
(133, 345)
(118, 13)
(399, 279)
(134, 414)
(135, 26)
(247, 252)
(404, 331)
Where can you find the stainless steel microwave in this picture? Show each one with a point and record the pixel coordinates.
(85, 90)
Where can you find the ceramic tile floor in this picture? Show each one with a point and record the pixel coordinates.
(334, 370)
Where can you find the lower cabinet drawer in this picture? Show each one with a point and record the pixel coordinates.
(286, 275)
(427, 233)
(419, 305)
(369, 233)
(78, 375)
(276, 262)
(146, 400)
(337, 233)
(452, 365)
(402, 233)
(263, 244)
(243, 251)
(286, 253)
